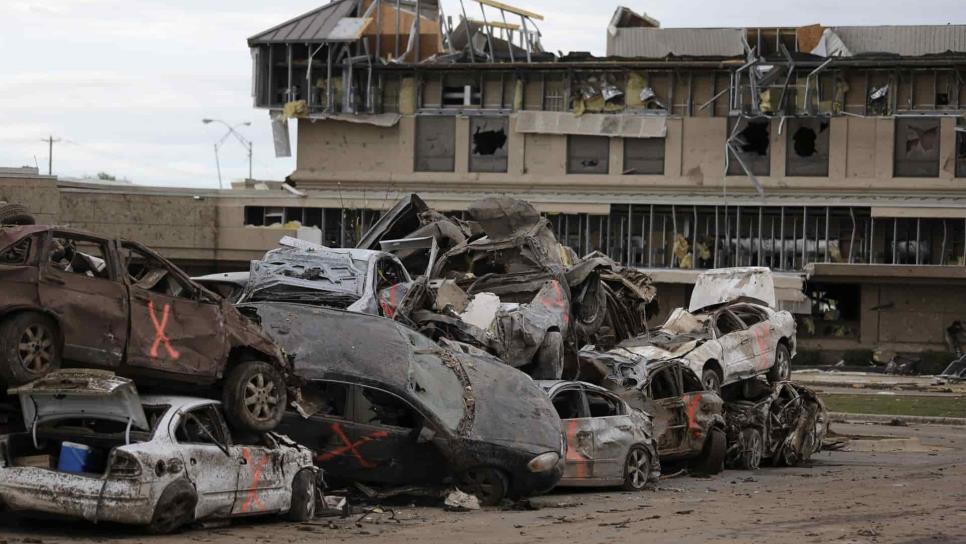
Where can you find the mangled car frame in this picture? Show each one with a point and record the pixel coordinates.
(383, 404)
(68, 295)
(504, 284)
(97, 451)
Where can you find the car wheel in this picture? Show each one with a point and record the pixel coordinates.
(782, 369)
(15, 214)
(549, 358)
(637, 469)
(254, 396)
(175, 508)
(488, 484)
(711, 460)
(711, 379)
(303, 497)
(30, 344)
(752, 449)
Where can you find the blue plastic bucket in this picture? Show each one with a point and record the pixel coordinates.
(73, 457)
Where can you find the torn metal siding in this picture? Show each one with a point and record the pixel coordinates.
(658, 43)
(591, 124)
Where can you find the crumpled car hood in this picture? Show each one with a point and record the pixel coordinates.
(287, 271)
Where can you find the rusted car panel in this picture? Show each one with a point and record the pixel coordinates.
(728, 341)
(68, 295)
(608, 442)
(783, 424)
(169, 444)
(384, 404)
(688, 420)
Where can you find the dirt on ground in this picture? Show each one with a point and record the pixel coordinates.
(886, 484)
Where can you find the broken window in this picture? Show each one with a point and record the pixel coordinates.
(663, 384)
(644, 156)
(807, 147)
(488, 144)
(78, 255)
(255, 215)
(17, 253)
(690, 382)
(388, 273)
(836, 311)
(201, 426)
(147, 272)
(751, 141)
(588, 154)
(601, 405)
(726, 323)
(960, 148)
(435, 144)
(460, 91)
(917, 148)
(569, 404)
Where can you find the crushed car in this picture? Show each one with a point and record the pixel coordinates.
(688, 421)
(730, 332)
(384, 405)
(783, 424)
(96, 450)
(96, 302)
(609, 443)
(955, 372)
(504, 284)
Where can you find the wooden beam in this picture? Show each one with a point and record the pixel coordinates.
(511, 9)
(496, 24)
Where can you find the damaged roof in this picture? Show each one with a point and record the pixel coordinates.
(905, 41)
(657, 43)
(312, 27)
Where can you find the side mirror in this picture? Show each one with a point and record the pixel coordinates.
(425, 435)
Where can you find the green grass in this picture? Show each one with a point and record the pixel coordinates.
(897, 405)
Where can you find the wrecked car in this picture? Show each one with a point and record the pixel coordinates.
(608, 442)
(782, 424)
(385, 405)
(305, 273)
(504, 284)
(688, 421)
(956, 371)
(229, 285)
(95, 450)
(730, 331)
(72, 296)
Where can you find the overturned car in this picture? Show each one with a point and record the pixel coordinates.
(95, 450)
(383, 404)
(782, 424)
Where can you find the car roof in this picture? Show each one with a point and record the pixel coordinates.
(549, 386)
(353, 253)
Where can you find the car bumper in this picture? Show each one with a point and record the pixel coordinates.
(75, 496)
(534, 483)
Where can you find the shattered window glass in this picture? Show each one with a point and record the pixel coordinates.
(752, 142)
(200, 426)
(17, 253)
(148, 272)
(917, 147)
(77, 255)
(601, 405)
(807, 147)
(488, 144)
(436, 387)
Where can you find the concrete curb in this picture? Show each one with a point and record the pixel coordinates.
(842, 417)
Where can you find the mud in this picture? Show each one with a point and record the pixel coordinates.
(843, 496)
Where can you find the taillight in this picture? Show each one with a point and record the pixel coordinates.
(124, 465)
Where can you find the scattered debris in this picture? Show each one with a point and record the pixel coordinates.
(457, 501)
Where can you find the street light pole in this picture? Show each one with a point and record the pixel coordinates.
(245, 142)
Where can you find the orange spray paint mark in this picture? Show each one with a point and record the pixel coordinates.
(252, 498)
(160, 336)
(351, 447)
(573, 455)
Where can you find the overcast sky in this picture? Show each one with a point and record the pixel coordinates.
(125, 83)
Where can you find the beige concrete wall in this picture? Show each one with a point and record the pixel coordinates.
(861, 158)
(39, 194)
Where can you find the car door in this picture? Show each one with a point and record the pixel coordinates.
(578, 430)
(694, 398)
(762, 331)
(175, 327)
(665, 403)
(210, 464)
(366, 434)
(737, 346)
(79, 284)
(261, 486)
(613, 432)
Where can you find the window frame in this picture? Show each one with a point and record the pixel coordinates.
(626, 170)
(935, 165)
(604, 170)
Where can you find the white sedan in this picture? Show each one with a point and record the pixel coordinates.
(731, 330)
(97, 451)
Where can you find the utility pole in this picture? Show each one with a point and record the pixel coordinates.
(50, 153)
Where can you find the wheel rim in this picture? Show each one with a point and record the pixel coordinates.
(711, 382)
(783, 367)
(637, 468)
(261, 396)
(36, 349)
(754, 451)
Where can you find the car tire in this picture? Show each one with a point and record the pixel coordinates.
(637, 469)
(15, 214)
(303, 497)
(254, 396)
(752, 449)
(490, 485)
(549, 358)
(781, 370)
(711, 379)
(175, 508)
(30, 346)
(711, 460)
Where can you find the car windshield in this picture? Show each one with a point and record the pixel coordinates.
(435, 384)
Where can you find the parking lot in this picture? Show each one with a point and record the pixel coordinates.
(889, 484)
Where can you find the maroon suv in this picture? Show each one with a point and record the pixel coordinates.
(73, 296)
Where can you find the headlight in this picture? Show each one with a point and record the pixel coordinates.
(544, 462)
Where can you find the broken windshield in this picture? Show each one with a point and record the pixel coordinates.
(294, 275)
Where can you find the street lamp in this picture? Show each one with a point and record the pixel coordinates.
(241, 139)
